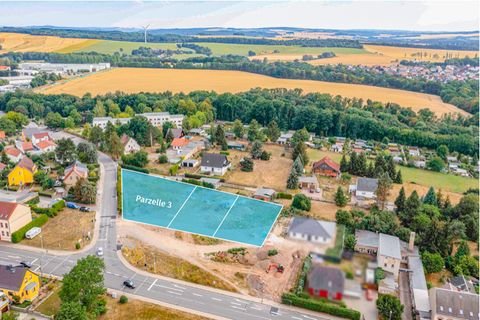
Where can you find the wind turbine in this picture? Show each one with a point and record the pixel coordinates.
(145, 28)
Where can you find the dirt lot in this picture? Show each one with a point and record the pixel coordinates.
(272, 173)
(65, 230)
(132, 80)
(246, 271)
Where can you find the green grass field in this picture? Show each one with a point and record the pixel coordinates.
(447, 182)
(110, 47)
(438, 180)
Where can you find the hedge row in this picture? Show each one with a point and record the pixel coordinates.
(199, 183)
(334, 310)
(283, 195)
(51, 212)
(19, 235)
(134, 168)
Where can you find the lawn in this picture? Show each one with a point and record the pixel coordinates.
(110, 47)
(446, 182)
(65, 230)
(51, 305)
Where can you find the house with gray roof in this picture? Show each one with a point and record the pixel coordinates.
(365, 188)
(389, 255)
(453, 305)
(326, 282)
(316, 231)
(214, 163)
(265, 194)
(418, 288)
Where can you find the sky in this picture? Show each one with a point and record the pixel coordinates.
(436, 15)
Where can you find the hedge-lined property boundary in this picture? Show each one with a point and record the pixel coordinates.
(19, 235)
(51, 212)
(315, 305)
(134, 168)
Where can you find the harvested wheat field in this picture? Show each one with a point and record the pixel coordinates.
(19, 42)
(400, 53)
(133, 80)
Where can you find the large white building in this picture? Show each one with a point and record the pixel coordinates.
(29, 68)
(155, 118)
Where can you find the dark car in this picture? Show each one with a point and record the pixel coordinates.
(26, 264)
(129, 284)
(85, 209)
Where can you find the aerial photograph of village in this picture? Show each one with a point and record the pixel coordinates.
(193, 160)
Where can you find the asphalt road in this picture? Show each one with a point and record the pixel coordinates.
(175, 293)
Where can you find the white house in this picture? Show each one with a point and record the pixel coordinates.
(414, 151)
(214, 163)
(312, 230)
(13, 154)
(157, 119)
(130, 145)
(285, 137)
(365, 188)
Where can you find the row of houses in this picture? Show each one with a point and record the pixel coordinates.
(157, 119)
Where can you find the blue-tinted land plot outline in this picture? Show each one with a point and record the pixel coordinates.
(157, 201)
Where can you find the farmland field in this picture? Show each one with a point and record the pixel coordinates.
(133, 80)
(19, 42)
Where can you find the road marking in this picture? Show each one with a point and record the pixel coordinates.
(35, 270)
(216, 299)
(235, 307)
(165, 287)
(305, 316)
(58, 265)
(183, 204)
(236, 303)
(153, 283)
(225, 216)
(14, 257)
(141, 284)
(297, 318)
(180, 287)
(197, 294)
(34, 261)
(173, 292)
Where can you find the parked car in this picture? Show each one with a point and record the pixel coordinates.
(129, 284)
(32, 233)
(100, 251)
(26, 264)
(85, 209)
(72, 205)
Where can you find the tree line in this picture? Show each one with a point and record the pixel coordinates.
(322, 114)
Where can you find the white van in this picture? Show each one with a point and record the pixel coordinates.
(32, 233)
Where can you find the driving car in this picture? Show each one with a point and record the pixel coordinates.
(129, 284)
(100, 251)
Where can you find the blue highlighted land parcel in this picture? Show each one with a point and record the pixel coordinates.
(180, 206)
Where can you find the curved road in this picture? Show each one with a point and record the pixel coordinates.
(173, 293)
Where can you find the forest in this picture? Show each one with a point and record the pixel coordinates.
(291, 109)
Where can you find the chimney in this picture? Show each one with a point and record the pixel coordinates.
(411, 241)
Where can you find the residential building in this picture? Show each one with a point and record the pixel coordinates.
(13, 154)
(13, 216)
(2, 135)
(264, 194)
(326, 282)
(236, 145)
(73, 173)
(45, 146)
(19, 283)
(453, 305)
(418, 288)
(365, 188)
(327, 167)
(179, 143)
(197, 132)
(414, 151)
(190, 163)
(23, 173)
(157, 119)
(40, 136)
(285, 137)
(24, 147)
(460, 283)
(214, 163)
(389, 255)
(316, 231)
(30, 130)
(4, 303)
(419, 164)
(309, 183)
(176, 132)
(2, 166)
(130, 145)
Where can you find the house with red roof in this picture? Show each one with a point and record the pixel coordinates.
(327, 167)
(46, 146)
(13, 154)
(2, 166)
(73, 173)
(13, 216)
(2, 135)
(39, 137)
(178, 143)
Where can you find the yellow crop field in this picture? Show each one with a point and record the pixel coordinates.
(435, 55)
(132, 80)
(20, 42)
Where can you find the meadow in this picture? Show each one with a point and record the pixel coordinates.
(132, 80)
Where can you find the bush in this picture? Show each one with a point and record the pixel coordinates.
(301, 202)
(225, 153)
(283, 195)
(77, 245)
(272, 252)
(163, 158)
(123, 299)
(265, 155)
(133, 168)
(19, 235)
(315, 305)
(193, 175)
(51, 212)
(173, 170)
